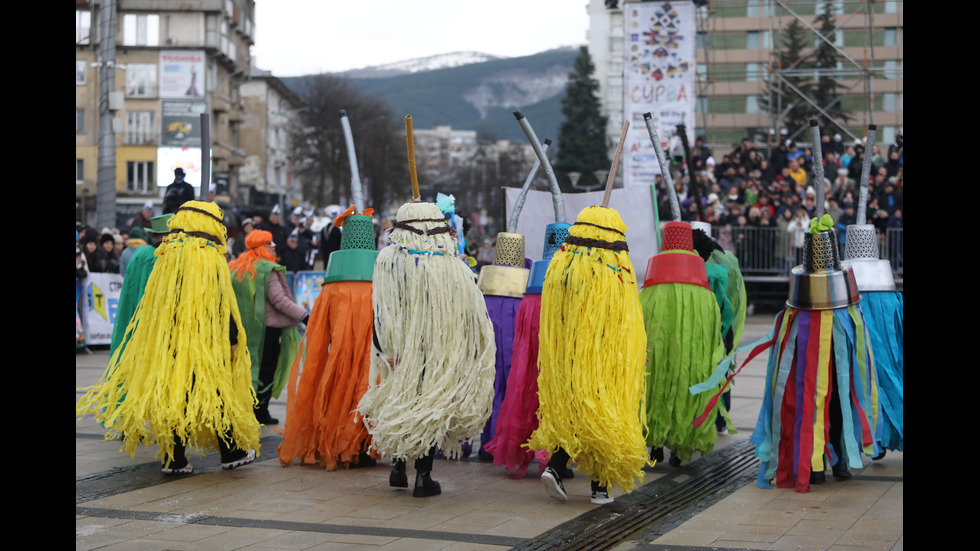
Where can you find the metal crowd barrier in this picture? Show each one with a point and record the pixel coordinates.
(770, 251)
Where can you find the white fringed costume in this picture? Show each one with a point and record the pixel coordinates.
(430, 320)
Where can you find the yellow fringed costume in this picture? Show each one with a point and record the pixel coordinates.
(178, 374)
(592, 353)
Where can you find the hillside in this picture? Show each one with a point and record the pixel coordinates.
(477, 96)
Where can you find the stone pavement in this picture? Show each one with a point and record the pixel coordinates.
(126, 503)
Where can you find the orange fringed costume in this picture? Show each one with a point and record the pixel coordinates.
(330, 375)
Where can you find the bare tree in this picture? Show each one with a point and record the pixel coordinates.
(319, 147)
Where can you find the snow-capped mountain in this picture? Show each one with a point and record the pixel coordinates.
(420, 64)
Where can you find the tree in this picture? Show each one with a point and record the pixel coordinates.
(319, 145)
(582, 145)
(790, 64)
(827, 91)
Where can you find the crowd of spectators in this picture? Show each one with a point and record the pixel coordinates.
(747, 189)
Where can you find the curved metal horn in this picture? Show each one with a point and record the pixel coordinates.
(357, 194)
(519, 204)
(869, 147)
(536, 145)
(817, 164)
(675, 209)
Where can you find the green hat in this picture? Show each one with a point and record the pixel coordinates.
(159, 224)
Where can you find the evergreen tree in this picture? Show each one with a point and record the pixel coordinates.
(790, 63)
(582, 145)
(827, 91)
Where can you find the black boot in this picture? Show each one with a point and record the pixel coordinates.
(425, 486)
(657, 454)
(398, 477)
(841, 472)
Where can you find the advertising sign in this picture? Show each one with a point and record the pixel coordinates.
(659, 79)
(182, 74)
(99, 304)
(170, 158)
(182, 123)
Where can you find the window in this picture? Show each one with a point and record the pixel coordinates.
(888, 102)
(79, 121)
(891, 36)
(892, 69)
(751, 104)
(701, 73)
(140, 127)
(81, 69)
(139, 177)
(141, 80)
(755, 40)
(79, 171)
(758, 8)
(141, 30)
(83, 26)
(702, 41)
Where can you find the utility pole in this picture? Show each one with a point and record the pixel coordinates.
(105, 205)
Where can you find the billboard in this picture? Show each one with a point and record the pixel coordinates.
(170, 158)
(659, 79)
(182, 123)
(182, 74)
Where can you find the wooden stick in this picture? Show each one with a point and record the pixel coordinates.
(615, 163)
(416, 196)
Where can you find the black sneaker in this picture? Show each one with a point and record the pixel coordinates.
(565, 472)
(248, 457)
(841, 472)
(600, 494)
(552, 483)
(172, 469)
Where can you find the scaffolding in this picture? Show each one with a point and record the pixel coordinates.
(868, 68)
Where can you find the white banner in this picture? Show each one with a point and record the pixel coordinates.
(634, 205)
(660, 79)
(99, 302)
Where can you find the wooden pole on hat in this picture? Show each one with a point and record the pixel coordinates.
(416, 196)
(615, 163)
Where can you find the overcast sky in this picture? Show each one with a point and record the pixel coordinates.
(299, 37)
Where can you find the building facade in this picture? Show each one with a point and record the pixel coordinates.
(174, 61)
(267, 177)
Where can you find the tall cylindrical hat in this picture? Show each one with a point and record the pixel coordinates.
(861, 246)
(677, 263)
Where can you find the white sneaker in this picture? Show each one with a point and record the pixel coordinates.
(186, 469)
(600, 494)
(249, 457)
(552, 483)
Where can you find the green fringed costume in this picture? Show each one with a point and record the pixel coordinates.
(250, 293)
(684, 344)
(137, 274)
